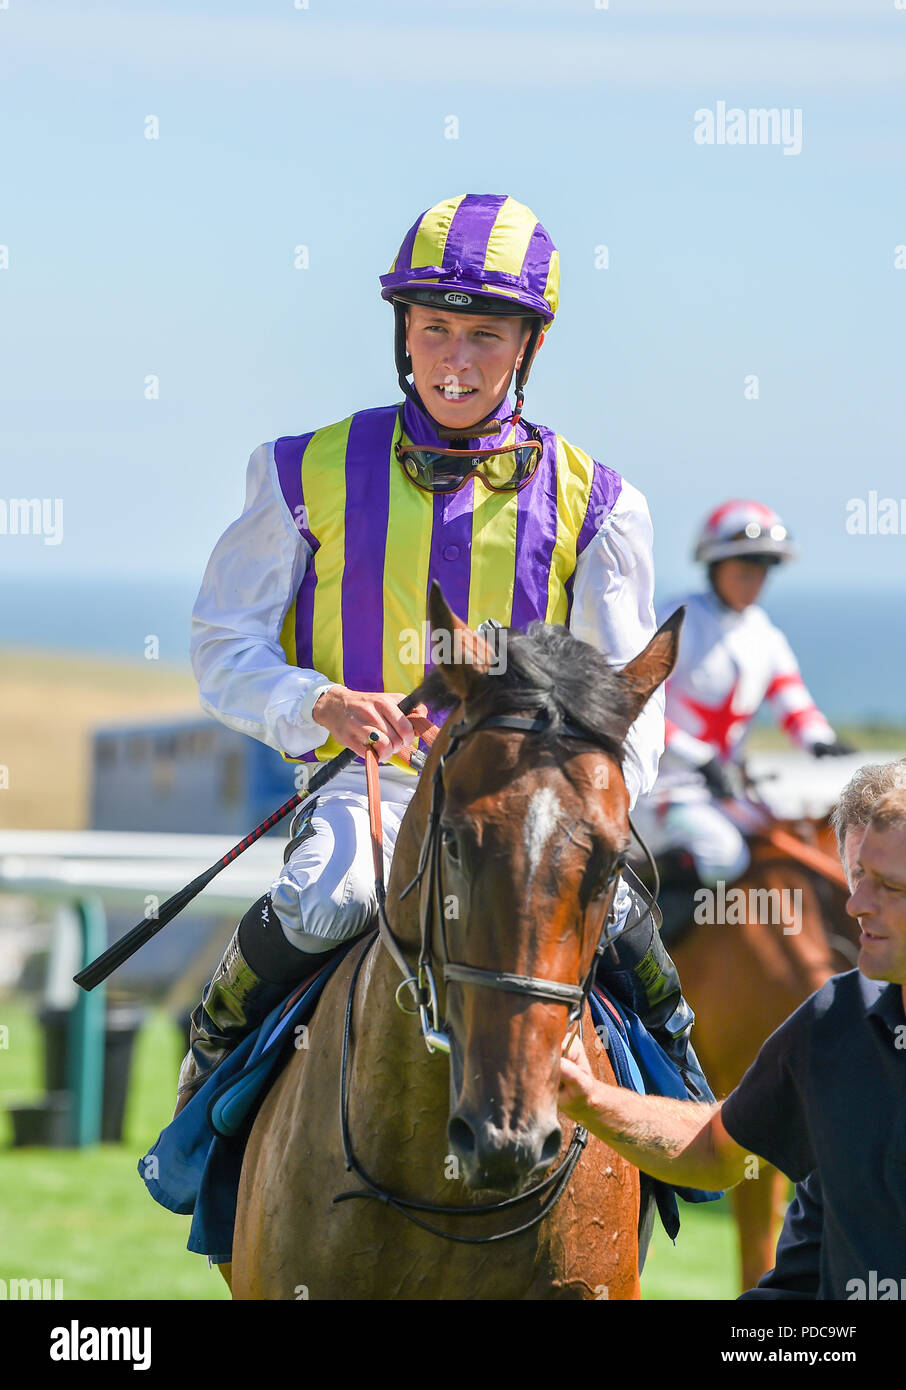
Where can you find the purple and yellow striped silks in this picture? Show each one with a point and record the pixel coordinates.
(378, 541)
(484, 243)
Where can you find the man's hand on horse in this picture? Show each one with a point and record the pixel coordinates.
(352, 715)
(577, 1081)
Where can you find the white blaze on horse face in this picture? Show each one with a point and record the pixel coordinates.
(540, 824)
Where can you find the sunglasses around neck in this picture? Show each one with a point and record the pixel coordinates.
(506, 468)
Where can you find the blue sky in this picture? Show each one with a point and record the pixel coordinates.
(325, 127)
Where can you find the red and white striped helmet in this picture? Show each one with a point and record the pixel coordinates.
(743, 528)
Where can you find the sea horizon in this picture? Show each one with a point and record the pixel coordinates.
(850, 643)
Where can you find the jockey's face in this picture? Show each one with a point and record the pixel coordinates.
(462, 364)
(878, 900)
(739, 582)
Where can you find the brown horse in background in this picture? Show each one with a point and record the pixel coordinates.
(743, 978)
(533, 829)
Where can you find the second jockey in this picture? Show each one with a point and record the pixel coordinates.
(732, 658)
(298, 630)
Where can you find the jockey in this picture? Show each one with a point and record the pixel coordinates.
(299, 628)
(731, 659)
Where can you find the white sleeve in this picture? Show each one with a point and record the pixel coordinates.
(613, 610)
(251, 579)
(793, 706)
(689, 749)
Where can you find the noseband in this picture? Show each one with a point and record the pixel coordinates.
(422, 987)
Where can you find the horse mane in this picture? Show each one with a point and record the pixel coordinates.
(552, 674)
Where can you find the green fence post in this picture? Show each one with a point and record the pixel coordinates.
(87, 1027)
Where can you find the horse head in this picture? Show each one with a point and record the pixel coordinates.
(531, 833)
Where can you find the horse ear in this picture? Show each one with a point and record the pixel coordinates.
(459, 653)
(645, 672)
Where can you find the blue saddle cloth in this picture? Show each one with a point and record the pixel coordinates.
(194, 1166)
(642, 1065)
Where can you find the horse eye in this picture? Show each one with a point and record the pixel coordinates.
(450, 843)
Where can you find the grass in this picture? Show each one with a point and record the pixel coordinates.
(84, 1216)
(864, 737)
(702, 1262)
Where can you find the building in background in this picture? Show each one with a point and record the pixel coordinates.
(190, 776)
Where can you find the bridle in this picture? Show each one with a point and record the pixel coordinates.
(421, 983)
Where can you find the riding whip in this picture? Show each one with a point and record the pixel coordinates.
(117, 954)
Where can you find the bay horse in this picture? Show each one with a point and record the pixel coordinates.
(531, 835)
(743, 978)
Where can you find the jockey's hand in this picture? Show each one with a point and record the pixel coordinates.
(351, 715)
(718, 780)
(838, 749)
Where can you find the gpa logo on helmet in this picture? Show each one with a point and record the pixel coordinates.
(457, 297)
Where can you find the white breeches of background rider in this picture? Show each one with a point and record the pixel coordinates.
(704, 830)
(325, 893)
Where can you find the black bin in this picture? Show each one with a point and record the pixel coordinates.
(122, 1024)
(45, 1123)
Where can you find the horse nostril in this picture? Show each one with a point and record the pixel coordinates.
(551, 1146)
(462, 1137)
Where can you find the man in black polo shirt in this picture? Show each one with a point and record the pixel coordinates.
(797, 1273)
(826, 1093)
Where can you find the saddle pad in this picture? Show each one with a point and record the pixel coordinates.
(194, 1166)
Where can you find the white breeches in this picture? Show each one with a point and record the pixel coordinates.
(325, 893)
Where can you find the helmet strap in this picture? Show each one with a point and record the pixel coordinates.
(536, 336)
(403, 360)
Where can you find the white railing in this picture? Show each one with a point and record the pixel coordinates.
(121, 868)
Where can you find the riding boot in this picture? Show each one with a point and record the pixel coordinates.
(258, 970)
(645, 979)
(676, 905)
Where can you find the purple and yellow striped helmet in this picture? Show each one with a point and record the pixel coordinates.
(482, 244)
(478, 253)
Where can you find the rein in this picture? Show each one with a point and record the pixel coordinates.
(422, 986)
(809, 855)
(791, 845)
